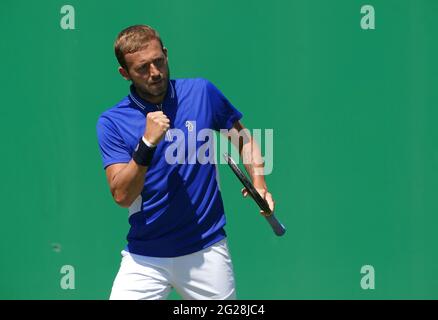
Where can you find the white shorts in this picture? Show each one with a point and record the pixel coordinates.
(203, 275)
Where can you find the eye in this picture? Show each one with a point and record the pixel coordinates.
(143, 68)
(159, 62)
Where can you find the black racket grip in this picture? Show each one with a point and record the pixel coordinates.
(278, 228)
(276, 225)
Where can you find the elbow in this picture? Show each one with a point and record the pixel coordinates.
(124, 204)
(122, 199)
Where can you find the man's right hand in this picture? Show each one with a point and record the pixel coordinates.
(157, 123)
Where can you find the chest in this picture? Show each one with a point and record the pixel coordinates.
(191, 125)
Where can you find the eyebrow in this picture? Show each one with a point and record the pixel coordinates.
(142, 63)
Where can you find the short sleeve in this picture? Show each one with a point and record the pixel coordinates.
(224, 113)
(112, 147)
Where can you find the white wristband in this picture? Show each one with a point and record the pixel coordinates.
(150, 145)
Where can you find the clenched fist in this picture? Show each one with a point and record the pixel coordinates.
(157, 123)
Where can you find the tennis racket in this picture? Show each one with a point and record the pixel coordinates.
(277, 227)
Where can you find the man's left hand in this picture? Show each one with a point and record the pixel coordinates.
(265, 195)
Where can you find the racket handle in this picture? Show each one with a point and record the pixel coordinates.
(276, 225)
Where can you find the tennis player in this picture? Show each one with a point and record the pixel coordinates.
(176, 215)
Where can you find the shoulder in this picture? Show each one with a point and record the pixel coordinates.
(198, 87)
(116, 113)
(185, 84)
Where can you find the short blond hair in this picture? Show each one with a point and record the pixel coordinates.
(133, 39)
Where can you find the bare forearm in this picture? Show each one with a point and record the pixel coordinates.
(127, 180)
(128, 183)
(253, 162)
(251, 155)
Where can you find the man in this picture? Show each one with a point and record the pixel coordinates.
(177, 238)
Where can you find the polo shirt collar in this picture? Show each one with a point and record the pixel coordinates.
(142, 104)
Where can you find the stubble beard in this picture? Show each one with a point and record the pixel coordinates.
(154, 91)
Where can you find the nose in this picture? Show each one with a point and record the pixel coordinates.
(154, 71)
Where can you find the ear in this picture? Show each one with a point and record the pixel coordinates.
(165, 51)
(124, 73)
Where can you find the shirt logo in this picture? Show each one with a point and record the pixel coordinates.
(189, 126)
(168, 135)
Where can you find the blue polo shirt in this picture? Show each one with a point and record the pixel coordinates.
(180, 209)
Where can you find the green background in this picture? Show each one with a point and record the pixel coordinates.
(354, 114)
